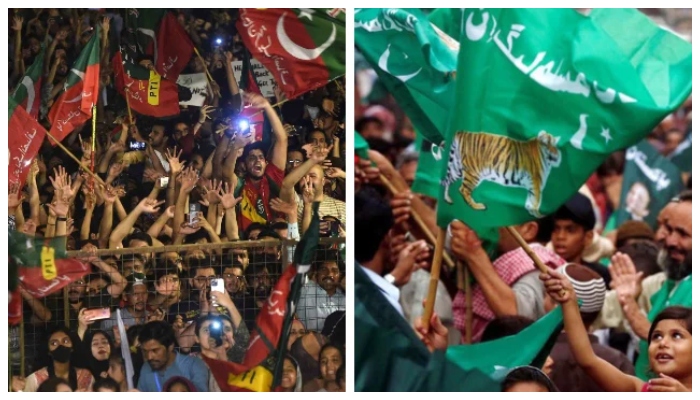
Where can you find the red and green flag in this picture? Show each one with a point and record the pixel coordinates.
(25, 136)
(303, 48)
(261, 369)
(41, 265)
(28, 92)
(155, 32)
(149, 94)
(81, 91)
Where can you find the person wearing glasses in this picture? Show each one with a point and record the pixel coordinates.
(183, 314)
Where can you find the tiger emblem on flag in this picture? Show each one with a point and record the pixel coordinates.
(478, 157)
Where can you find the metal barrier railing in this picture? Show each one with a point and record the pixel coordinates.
(260, 265)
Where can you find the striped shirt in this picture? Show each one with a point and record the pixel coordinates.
(329, 206)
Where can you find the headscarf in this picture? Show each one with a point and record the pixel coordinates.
(96, 366)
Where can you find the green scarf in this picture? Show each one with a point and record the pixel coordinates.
(672, 293)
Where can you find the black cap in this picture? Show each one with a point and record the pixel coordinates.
(578, 209)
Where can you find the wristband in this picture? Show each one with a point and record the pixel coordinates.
(61, 219)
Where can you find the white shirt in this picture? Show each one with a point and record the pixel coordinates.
(390, 292)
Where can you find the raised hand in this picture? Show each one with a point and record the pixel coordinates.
(558, 287)
(59, 207)
(227, 199)
(14, 198)
(108, 193)
(170, 212)
(256, 100)
(283, 207)
(335, 173)
(328, 106)
(174, 160)
(87, 148)
(17, 22)
(90, 200)
(229, 57)
(116, 147)
(188, 180)
(90, 251)
(105, 24)
(61, 35)
(317, 153)
(307, 187)
(626, 281)
(204, 113)
(150, 206)
(213, 187)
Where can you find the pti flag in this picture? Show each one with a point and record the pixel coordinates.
(74, 106)
(28, 92)
(543, 96)
(302, 48)
(25, 136)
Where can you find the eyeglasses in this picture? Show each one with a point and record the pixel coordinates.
(294, 162)
(170, 279)
(232, 276)
(204, 279)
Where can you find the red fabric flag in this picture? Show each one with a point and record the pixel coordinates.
(174, 48)
(25, 137)
(74, 105)
(302, 48)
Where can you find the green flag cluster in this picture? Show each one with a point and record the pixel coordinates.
(545, 95)
(390, 357)
(649, 182)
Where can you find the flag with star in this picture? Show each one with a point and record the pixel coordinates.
(303, 48)
(28, 91)
(415, 65)
(543, 97)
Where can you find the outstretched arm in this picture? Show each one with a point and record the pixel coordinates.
(602, 372)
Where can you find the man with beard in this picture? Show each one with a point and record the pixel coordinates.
(322, 297)
(257, 277)
(262, 180)
(674, 284)
(162, 362)
(135, 296)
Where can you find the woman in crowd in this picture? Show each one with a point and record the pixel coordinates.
(291, 376)
(331, 358)
(60, 350)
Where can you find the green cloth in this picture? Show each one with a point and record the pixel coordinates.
(390, 357)
(414, 61)
(543, 97)
(649, 182)
(672, 293)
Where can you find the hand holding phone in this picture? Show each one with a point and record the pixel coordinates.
(96, 314)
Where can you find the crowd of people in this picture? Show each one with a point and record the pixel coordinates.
(195, 179)
(625, 290)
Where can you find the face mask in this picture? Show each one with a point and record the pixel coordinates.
(61, 354)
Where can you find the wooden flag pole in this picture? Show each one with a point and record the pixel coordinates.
(434, 278)
(204, 64)
(94, 148)
(128, 106)
(71, 155)
(419, 221)
(516, 235)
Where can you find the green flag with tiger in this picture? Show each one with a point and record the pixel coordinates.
(544, 96)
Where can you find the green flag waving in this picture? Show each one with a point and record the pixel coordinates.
(361, 146)
(649, 182)
(682, 156)
(390, 357)
(544, 95)
(28, 92)
(414, 60)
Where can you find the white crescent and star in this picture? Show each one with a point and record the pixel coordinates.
(294, 49)
(384, 60)
(605, 133)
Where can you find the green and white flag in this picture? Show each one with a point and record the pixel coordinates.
(543, 96)
(430, 155)
(414, 60)
(649, 182)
